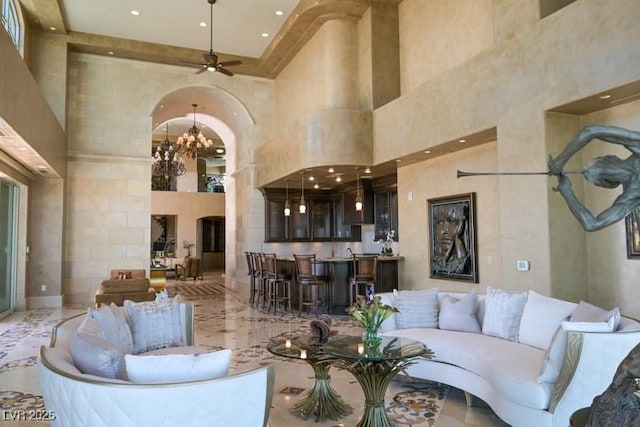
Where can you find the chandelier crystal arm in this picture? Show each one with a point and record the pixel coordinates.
(193, 144)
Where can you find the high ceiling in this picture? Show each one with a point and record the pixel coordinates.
(238, 25)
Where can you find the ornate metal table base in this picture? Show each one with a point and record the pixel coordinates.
(322, 400)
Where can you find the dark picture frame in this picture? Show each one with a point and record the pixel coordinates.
(632, 226)
(453, 252)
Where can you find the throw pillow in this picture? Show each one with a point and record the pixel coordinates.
(554, 356)
(155, 324)
(503, 311)
(586, 312)
(171, 368)
(459, 314)
(114, 326)
(93, 354)
(540, 319)
(416, 309)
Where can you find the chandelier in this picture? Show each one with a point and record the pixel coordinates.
(167, 162)
(192, 143)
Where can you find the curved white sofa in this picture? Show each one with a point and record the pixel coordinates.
(76, 399)
(504, 373)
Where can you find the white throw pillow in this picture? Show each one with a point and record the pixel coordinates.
(503, 310)
(155, 324)
(459, 314)
(555, 354)
(416, 309)
(541, 318)
(114, 326)
(172, 368)
(93, 354)
(586, 312)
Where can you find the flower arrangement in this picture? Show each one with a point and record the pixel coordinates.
(387, 250)
(370, 314)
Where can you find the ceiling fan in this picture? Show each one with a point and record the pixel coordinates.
(211, 59)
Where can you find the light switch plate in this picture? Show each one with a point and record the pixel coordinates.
(522, 265)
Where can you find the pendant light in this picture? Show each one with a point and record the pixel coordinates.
(287, 208)
(358, 196)
(303, 207)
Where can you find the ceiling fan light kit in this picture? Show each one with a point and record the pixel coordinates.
(211, 59)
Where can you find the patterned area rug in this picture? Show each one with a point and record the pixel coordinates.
(196, 290)
(418, 405)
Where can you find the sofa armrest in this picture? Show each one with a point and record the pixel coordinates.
(589, 366)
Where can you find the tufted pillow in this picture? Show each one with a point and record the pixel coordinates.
(114, 326)
(554, 356)
(503, 310)
(459, 314)
(541, 318)
(416, 309)
(155, 324)
(171, 368)
(586, 312)
(93, 354)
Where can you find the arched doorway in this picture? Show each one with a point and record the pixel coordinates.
(199, 221)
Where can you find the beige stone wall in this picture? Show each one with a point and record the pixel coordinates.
(439, 35)
(109, 194)
(433, 178)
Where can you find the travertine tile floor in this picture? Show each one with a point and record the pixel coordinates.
(225, 319)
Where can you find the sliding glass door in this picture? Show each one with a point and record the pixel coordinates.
(8, 243)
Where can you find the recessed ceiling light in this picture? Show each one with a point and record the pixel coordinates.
(427, 151)
(462, 141)
(338, 179)
(135, 13)
(367, 170)
(311, 178)
(110, 52)
(279, 12)
(316, 186)
(398, 160)
(605, 96)
(203, 24)
(52, 28)
(331, 170)
(219, 150)
(264, 35)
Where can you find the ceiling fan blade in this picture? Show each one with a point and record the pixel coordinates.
(202, 69)
(224, 71)
(230, 63)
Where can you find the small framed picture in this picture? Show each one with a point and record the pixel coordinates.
(632, 222)
(452, 238)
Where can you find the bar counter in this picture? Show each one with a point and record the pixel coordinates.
(337, 271)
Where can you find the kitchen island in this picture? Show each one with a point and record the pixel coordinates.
(337, 271)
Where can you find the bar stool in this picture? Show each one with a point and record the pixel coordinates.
(261, 279)
(278, 284)
(364, 276)
(252, 276)
(309, 284)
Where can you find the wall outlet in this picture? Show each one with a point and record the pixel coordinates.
(522, 265)
(44, 288)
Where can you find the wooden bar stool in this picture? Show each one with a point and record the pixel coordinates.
(278, 284)
(364, 276)
(310, 285)
(261, 279)
(252, 277)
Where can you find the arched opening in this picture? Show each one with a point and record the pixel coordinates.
(201, 202)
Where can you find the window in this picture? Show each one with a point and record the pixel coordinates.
(10, 21)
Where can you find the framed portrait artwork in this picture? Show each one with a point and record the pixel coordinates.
(452, 238)
(632, 226)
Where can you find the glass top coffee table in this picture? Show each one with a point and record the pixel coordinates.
(322, 400)
(373, 367)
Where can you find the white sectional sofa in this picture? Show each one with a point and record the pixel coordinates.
(77, 399)
(516, 376)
